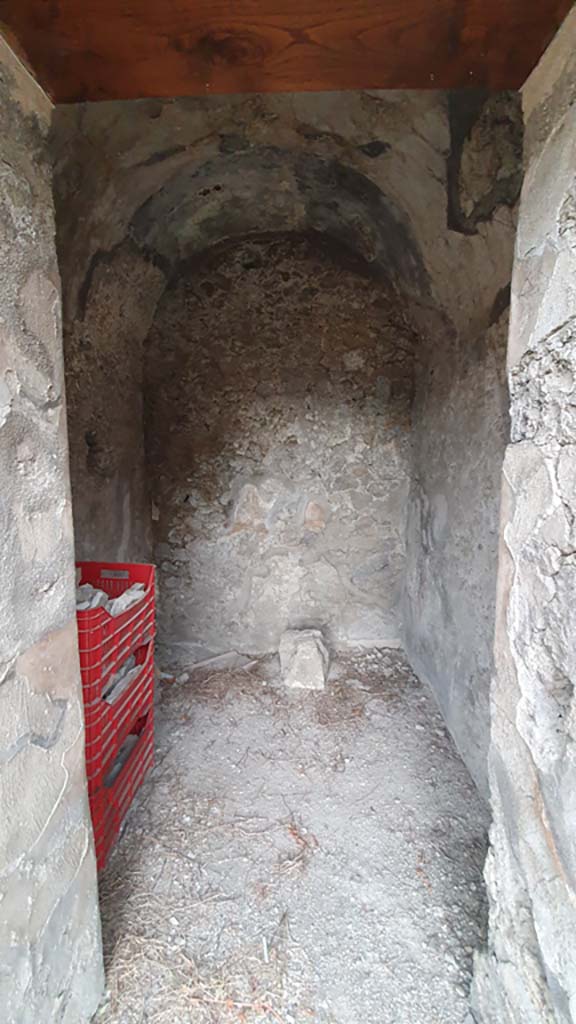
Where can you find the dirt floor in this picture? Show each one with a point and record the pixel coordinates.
(297, 857)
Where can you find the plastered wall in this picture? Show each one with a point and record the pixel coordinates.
(460, 429)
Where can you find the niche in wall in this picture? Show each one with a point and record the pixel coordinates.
(278, 388)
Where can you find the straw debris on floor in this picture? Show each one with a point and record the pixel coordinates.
(297, 857)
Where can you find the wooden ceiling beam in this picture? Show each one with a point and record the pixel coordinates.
(125, 49)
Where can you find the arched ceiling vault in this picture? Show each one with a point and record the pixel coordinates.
(167, 180)
(266, 190)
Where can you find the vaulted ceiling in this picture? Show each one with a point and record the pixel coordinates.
(122, 49)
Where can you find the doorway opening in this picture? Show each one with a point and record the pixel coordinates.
(291, 357)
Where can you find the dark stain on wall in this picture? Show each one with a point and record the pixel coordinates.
(164, 154)
(500, 305)
(484, 165)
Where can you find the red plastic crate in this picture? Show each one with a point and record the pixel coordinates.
(108, 724)
(105, 641)
(109, 805)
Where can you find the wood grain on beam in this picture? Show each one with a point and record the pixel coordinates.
(122, 49)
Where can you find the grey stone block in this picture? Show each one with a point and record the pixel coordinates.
(304, 659)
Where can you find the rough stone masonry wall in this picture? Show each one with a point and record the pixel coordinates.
(50, 966)
(528, 974)
(278, 395)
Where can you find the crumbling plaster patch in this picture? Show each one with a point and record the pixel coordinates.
(51, 965)
(485, 158)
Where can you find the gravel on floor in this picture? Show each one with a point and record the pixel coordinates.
(297, 857)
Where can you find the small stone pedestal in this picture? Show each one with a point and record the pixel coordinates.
(304, 659)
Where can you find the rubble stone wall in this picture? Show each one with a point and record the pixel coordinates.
(528, 973)
(279, 377)
(51, 966)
